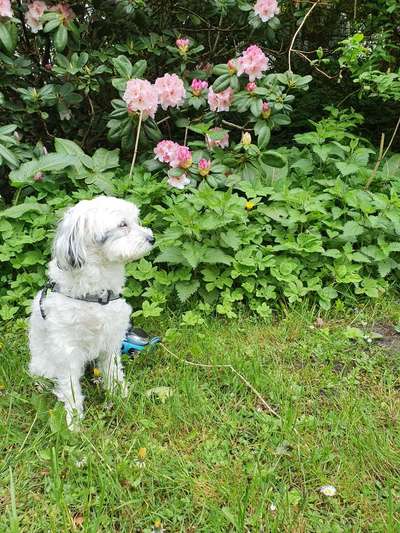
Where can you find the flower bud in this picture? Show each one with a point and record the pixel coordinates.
(246, 139)
(266, 110)
(204, 167)
(251, 86)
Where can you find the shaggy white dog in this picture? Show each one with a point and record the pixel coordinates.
(69, 326)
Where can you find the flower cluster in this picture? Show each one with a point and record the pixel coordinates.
(198, 86)
(5, 9)
(220, 101)
(174, 154)
(171, 91)
(141, 96)
(266, 9)
(65, 11)
(252, 62)
(32, 16)
(177, 157)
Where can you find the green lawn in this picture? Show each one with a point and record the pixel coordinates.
(215, 460)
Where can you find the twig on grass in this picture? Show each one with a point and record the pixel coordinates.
(229, 367)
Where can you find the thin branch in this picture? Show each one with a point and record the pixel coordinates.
(136, 143)
(301, 54)
(378, 162)
(297, 32)
(228, 367)
(391, 139)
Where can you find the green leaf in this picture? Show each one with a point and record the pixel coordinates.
(104, 159)
(221, 83)
(185, 289)
(61, 38)
(272, 158)
(351, 230)
(170, 255)
(123, 66)
(48, 163)
(52, 24)
(17, 211)
(139, 68)
(161, 393)
(67, 147)
(215, 255)
(6, 154)
(6, 37)
(264, 135)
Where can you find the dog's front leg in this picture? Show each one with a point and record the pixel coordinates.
(67, 388)
(110, 365)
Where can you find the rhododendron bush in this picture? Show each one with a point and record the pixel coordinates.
(191, 112)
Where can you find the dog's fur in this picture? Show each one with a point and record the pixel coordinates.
(93, 242)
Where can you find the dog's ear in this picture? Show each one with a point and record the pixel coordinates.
(69, 246)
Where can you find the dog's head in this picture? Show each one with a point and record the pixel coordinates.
(104, 229)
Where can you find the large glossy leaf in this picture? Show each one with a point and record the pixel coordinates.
(48, 163)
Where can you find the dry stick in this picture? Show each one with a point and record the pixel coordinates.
(136, 143)
(391, 139)
(229, 367)
(378, 162)
(382, 153)
(297, 32)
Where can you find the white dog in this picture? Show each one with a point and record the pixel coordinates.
(80, 316)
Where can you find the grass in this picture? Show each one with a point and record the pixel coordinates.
(215, 460)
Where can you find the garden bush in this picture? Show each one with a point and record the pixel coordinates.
(96, 100)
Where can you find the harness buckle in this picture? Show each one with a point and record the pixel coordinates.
(104, 300)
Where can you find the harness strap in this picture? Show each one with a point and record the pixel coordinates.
(49, 285)
(93, 298)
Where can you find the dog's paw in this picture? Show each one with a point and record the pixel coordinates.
(74, 419)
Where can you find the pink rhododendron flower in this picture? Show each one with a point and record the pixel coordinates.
(251, 86)
(182, 157)
(204, 167)
(266, 110)
(252, 62)
(179, 182)
(5, 8)
(141, 95)
(220, 101)
(174, 154)
(222, 143)
(198, 86)
(171, 91)
(165, 151)
(183, 45)
(32, 16)
(232, 67)
(65, 11)
(266, 9)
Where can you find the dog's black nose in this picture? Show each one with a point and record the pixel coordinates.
(151, 239)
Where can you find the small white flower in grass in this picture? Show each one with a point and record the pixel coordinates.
(272, 507)
(328, 490)
(82, 462)
(141, 456)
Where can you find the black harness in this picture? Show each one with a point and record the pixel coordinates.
(110, 296)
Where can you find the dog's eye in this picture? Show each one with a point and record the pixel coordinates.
(123, 224)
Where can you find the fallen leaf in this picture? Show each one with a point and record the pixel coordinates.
(162, 393)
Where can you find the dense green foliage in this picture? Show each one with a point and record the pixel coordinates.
(302, 203)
